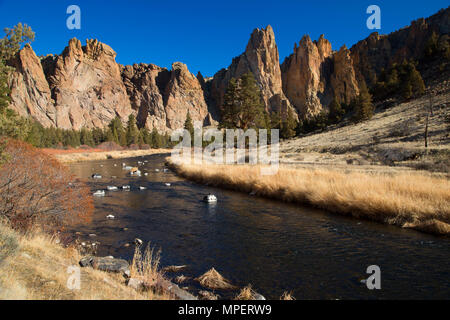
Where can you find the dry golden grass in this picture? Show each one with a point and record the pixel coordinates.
(246, 293)
(287, 296)
(37, 270)
(214, 280)
(409, 200)
(145, 266)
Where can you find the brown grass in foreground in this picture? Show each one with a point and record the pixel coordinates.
(34, 266)
(409, 200)
(145, 266)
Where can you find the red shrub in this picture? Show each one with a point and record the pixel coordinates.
(36, 189)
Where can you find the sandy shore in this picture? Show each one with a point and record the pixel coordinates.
(84, 155)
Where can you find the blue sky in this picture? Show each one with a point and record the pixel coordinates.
(205, 35)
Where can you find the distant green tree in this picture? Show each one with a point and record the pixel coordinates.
(231, 106)
(14, 39)
(4, 88)
(132, 133)
(363, 107)
(146, 136)
(98, 136)
(251, 111)
(336, 111)
(118, 134)
(157, 139)
(288, 126)
(400, 79)
(431, 46)
(189, 126)
(86, 137)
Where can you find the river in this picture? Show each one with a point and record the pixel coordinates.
(274, 246)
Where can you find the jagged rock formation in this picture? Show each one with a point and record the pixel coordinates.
(261, 58)
(87, 86)
(314, 74)
(30, 91)
(376, 52)
(164, 97)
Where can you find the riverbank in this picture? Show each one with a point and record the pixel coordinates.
(35, 267)
(77, 155)
(409, 200)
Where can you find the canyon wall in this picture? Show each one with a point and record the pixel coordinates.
(85, 87)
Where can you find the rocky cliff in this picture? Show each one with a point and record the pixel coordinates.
(30, 92)
(164, 97)
(261, 58)
(314, 74)
(85, 87)
(376, 52)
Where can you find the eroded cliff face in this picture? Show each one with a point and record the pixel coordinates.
(87, 86)
(377, 51)
(314, 74)
(303, 72)
(30, 91)
(162, 97)
(262, 59)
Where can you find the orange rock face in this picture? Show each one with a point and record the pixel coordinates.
(314, 74)
(261, 58)
(30, 91)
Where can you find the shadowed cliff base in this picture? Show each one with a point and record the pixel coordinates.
(408, 200)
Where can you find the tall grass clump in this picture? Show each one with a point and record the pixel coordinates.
(145, 265)
(409, 200)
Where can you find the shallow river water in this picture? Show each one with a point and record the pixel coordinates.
(274, 246)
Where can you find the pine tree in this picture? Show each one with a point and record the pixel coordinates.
(189, 126)
(132, 135)
(364, 108)
(86, 137)
(336, 111)
(231, 106)
(118, 134)
(156, 139)
(251, 107)
(4, 88)
(289, 125)
(14, 39)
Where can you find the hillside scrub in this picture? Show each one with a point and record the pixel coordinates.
(35, 189)
(409, 200)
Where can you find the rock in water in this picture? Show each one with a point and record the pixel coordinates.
(99, 193)
(210, 198)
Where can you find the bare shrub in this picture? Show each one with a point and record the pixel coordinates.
(35, 189)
